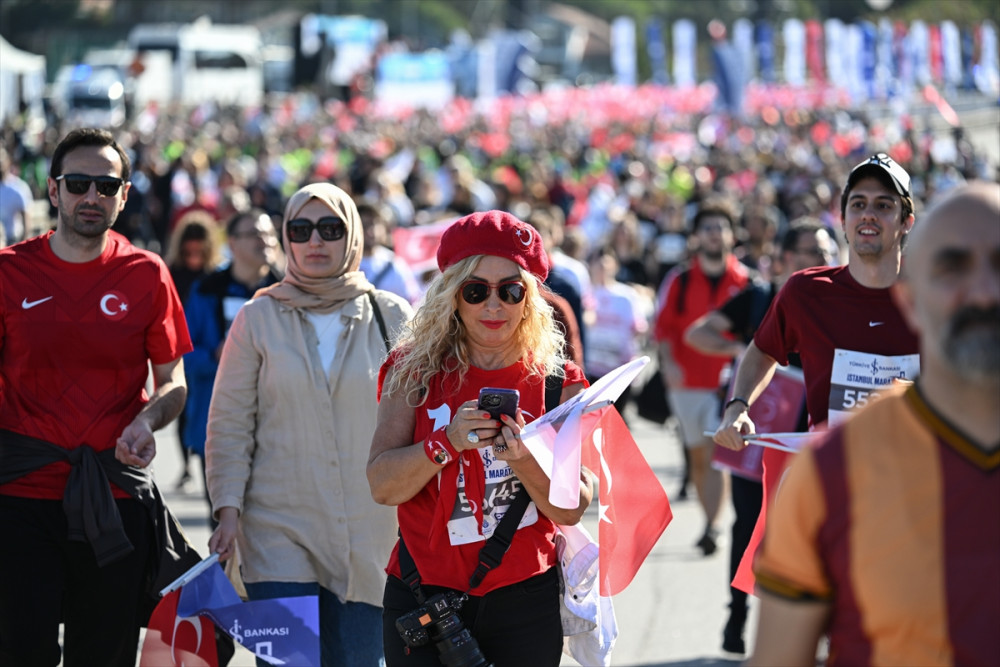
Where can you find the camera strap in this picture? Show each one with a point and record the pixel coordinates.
(496, 546)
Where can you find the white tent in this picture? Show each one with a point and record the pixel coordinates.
(22, 80)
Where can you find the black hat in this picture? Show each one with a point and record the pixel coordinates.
(880, 166)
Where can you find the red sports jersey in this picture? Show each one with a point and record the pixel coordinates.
(445, 541)
(74, 345)
(821, 310)
(892, 518)
(686, 300)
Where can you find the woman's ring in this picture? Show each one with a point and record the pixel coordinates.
(473, 437)
(500, 448)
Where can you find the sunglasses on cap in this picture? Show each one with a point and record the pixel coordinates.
(330, 229)
(477, 291)
(79, 184)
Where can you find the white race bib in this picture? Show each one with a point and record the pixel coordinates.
(858, 377)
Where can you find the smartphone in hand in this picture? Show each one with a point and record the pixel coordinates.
(499, 401)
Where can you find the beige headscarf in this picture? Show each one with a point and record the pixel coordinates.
(322, 295)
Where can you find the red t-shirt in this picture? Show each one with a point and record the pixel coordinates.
(74, 345)
(821, 310)
(445, 541)
(701, 295)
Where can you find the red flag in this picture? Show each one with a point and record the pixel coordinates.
(634, 510)
(173, 641)
(418, 245)
(776, 460)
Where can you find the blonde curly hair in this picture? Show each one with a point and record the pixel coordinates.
(435, 339)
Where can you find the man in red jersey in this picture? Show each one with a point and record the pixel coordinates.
(713, 276)
(842, 322)
(82, 315)
(885, 535)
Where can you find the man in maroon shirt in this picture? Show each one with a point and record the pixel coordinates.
(842, 321)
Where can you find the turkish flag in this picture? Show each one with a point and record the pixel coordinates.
(633, 507)
(173, 641)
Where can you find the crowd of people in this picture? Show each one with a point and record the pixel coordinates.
(310, 333)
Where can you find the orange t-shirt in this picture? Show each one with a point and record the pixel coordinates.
(892, 517)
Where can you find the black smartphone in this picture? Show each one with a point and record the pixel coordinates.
(499, 401)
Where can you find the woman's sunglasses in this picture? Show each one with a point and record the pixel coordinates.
(477, 291)
(79, 184)
(330, 229)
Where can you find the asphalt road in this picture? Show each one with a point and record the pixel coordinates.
(671, 614)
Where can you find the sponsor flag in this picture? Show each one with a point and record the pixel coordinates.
(172, 640)
(633, 507)
(281, 631)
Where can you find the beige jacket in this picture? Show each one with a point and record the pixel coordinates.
(288, 449)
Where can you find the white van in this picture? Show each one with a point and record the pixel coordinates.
(94, 97)
(211, 62)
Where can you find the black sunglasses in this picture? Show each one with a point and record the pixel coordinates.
(79, 184)
(477, 291)
(330, 229)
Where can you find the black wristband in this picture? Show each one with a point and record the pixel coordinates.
(737, 399)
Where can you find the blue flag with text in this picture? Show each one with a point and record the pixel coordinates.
(281, 631)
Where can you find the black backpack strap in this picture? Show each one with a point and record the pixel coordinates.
(492, 552)
(381, 321)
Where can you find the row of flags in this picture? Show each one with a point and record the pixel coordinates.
(870, 61)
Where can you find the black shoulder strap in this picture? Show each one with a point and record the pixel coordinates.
(492, 552)
(553, 391)
(381, 321)
(408, 570)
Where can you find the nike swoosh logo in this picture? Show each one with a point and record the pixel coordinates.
(31, 304)
(874, 324)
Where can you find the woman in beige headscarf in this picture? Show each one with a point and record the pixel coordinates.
(292, 414)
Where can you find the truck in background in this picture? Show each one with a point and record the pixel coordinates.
(207, 62)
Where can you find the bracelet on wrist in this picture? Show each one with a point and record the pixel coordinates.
(737, 399)
(438, 449)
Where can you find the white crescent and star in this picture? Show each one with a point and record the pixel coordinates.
(107, 299)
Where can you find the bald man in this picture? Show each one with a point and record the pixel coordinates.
(885, 535)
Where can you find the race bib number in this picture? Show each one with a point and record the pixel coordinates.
(858, 377)
(500, 487)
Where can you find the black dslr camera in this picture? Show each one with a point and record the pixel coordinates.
(437, 619)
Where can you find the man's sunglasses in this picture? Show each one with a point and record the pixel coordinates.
(79, 184)
(330, 229)
(477, 291)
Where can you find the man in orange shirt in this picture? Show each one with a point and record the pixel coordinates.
(885, 534)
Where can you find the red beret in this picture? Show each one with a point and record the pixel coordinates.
(496, 233)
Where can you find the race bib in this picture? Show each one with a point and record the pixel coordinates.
(858, 377)
(500, 487)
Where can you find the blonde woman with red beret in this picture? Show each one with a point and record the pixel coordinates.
(452, 471)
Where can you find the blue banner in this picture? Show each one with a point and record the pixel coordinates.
(282, 631)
